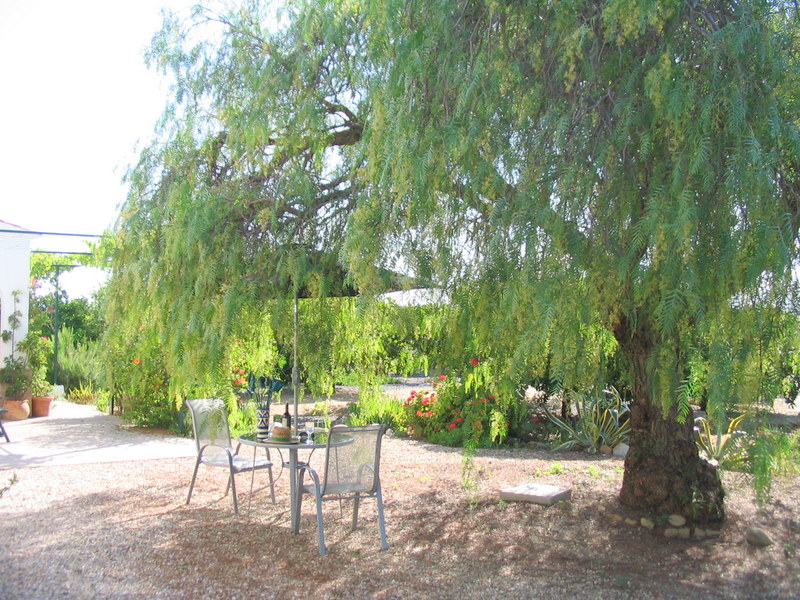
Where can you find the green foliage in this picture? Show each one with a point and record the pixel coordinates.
(773, 454)
(375, 407)
(588, 181)
(459, 411)
(80, 363)
(601, 421)
(87, 393)
(38, 352)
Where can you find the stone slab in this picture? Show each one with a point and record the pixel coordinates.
(538, 493)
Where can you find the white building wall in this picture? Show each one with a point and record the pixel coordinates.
(15, 255)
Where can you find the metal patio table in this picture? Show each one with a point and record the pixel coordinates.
(250, 439)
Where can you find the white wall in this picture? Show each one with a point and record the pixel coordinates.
(15, 254)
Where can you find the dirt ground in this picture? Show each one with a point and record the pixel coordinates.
(123, 531)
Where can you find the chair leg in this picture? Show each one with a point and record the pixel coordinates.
(320, 525)
(194, 476)
(381, 522)
(232, 486)
(3, 430)
(355, 511)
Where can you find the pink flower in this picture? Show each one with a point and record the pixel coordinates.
(474, 362)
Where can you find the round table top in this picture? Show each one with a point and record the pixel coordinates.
(251, 439)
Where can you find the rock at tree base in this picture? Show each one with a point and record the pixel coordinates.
(538, 493)
(758, 537)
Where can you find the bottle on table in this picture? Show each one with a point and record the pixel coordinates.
(287, 417)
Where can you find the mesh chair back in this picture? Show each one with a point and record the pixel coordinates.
(210, 424)
(352, 460)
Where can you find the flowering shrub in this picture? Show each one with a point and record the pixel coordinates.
(458, 410)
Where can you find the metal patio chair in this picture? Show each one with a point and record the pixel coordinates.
(351, 471)
(212, 438)
(2, 428)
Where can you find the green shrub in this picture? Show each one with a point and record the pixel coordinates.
(79, 363)
(601, 421)
(375, 407)
(458, 411)
(89, 394)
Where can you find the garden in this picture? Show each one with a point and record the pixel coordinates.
(599, 203)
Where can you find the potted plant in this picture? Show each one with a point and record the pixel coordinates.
(14, 375)
(38, 350)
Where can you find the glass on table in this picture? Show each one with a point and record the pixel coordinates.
(309, 431)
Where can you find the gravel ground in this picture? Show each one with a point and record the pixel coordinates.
(122, 530)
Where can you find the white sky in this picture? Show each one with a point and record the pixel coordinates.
(76, 100)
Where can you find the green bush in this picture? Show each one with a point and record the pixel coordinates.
(375, 407)
(457, 412)
(79, 362)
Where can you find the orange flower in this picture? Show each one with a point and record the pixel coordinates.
(442, 377)
(136, 361)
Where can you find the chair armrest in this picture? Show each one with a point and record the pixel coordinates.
(226, 448)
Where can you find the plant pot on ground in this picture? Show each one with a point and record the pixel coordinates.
(37, 351)
(15, 380)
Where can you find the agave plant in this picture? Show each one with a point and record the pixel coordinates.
(601, 421)
(724, 449)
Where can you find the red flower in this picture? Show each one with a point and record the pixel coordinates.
(136, 361)
(484, 400)
(419, 413)
(535, 419)
(425, 402)
(451, 426)
(239, 382)
(141, 326)
(429, 413)
(459, 419)
(442, 377)
(456, 412)
(474, 361)
(474, 402)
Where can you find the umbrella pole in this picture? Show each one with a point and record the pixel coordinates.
(295, 370)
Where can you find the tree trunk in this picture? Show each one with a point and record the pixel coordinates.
(664, 473)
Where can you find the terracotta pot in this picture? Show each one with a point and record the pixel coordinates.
(41, 405)
(18, 410)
